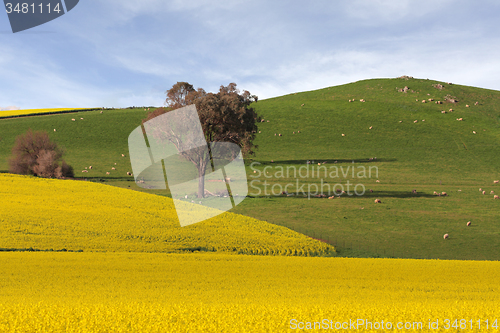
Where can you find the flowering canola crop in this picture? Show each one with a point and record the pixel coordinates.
(212, 292)
(57, 214)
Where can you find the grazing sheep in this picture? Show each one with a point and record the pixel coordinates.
(377, 181)
(371, 191)
(107, 173)
(280, 134)
(444, 194)
(474, 132)
(370, 127)
(268, 121)
(492, 192)
(484, 192)
(400, 121)
(446, 236)
(123, 155)
(468, 224)
(293, 132)
(90, 167)
(480, 190)
(272, 161)
(435, 193)
(496, 182)
(495, 197)
(350, 101)
(431, 99)
(129, 173)
(424, 101)
(443, 111)
(302, 105)
(85, 171)
(343, 134)
(460, 119)
(113, 168)
(423, 119)
(477, 103)
(361, 100)
(416, 100)
(54, 129)
(332, 197)
(415, 121)
(81, 118)
(467, 105)
(319, 163)
(378, 201)
(275, 134)
(101, 112)
(73, 119)
(298, 132)
(414, 191)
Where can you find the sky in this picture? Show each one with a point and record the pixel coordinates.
(120, 53)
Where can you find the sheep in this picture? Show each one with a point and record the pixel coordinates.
(443, 111)
(350, 101)
(280, 134)
(414, 191)
(378, 201)
(85, 171)
(332, 197)
(113, 168)
(123, 155)
(73, 119)
(293, 132)
(450, 110)
(377, 181)
(477, 103)
(495, 197)
(415, 121)
(435, 193)
(431, 99)
(129, 173)
(467, 105)
(371, 191)
(370, 127)
(90, 167)
(85, 167)
(416, 100)
(268, 121)
(446, 236)
(424, 101)
(262, 120)
(423, 119)
(361, 100)
(275, 134)
(54, 129)
(302, 105)
(259, 132)
(480, 189)
(115, 163)
(319, 163)
(101, 112)
(484, 192)
(298, 132)
(444, 194)
(474, 132)
(496, 181)
(81, 118)
(400, 121)
(492, 192)
(107, 173)
(460, 119)
(468, 224)
(343, 134)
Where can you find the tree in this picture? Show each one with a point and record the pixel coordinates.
(226, 116)
(34, 154)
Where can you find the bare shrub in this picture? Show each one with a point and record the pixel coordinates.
(34, 154)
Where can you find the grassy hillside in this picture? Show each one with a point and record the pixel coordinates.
(54, 214)
(440, 154)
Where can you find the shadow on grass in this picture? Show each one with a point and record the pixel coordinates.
(374, 194)
(327, 162)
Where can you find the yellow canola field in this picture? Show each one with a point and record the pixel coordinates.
(208, 292)
(76, 215)
(33, 111)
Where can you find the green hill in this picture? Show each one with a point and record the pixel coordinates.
(438, 153)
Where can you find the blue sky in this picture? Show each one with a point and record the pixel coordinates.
(119, 53)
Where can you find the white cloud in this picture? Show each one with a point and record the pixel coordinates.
(10, 108)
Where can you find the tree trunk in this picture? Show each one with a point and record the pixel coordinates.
(202, 166)
(201, 183)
